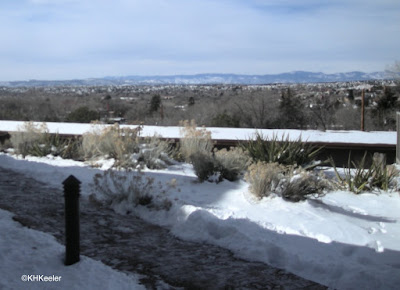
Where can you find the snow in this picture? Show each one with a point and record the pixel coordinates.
(172, 132)
(42, 258)
(342, 240)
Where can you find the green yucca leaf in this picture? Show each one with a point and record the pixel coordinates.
(281, 150)
(364, 178)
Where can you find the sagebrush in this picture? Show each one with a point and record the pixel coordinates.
(124, 190)
(291, 183)
(155, 153)
(131, 187)
(231, 163)
(205, 167)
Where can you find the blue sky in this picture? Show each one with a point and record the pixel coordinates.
(64, 39)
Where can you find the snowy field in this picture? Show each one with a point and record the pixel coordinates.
(342, 240)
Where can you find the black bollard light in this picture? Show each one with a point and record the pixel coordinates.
(71, 196)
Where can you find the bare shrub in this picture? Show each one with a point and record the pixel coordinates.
(194, 140)
(232, 162)
(5, 145)
(204, 166)
(303, 185)
(257, 110)
(348, 118)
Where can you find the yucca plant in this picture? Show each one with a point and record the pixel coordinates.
(73, 149)
(36, 140)
(282, 151)
(363, 178)
(385, 177)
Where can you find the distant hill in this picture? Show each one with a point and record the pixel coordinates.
(291, 77)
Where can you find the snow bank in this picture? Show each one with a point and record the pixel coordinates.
(342, 240)
(25, 252)
(348, 137)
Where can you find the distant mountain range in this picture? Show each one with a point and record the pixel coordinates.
(291, 77)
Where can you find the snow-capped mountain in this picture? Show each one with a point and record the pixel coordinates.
(291, 77)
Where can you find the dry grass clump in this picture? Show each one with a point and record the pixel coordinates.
(196, 147)
(292, 184)
(265, 178)
(124, 146)
(111, 142)
(194, 141)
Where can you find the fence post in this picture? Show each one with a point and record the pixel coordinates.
(398, 138)
(362, 110)
(71, 196)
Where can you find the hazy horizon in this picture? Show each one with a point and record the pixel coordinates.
(176, 75)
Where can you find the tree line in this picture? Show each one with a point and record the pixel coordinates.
(322, 106)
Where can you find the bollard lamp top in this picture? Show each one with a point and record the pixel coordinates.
(71, 180)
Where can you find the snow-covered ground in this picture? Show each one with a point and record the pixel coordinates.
(38, 264)
(341, 240)
(348, 137)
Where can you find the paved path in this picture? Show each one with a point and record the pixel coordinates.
(130, 244)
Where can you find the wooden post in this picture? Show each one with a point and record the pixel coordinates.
(71, 196)
(398, 138)
(362, 109)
